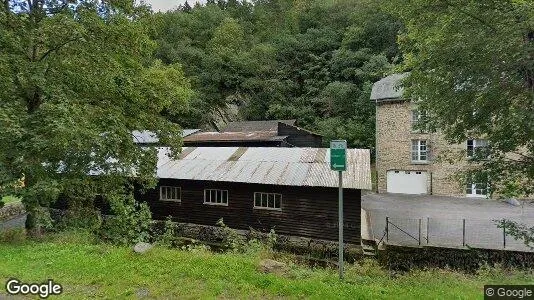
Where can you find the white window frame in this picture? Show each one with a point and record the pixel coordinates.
(266, 196)
(211, 197)
(474, 187)
(175, 193)
(475, 143)
(417, 151)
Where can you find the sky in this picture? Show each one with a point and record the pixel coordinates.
(164, 5)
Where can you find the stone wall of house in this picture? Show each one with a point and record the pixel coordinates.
(394, 135)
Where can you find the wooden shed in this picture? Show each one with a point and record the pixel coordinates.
(291, 190)
(274, 133)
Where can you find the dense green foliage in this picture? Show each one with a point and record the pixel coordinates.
(130, 223)
(94, 270)
(313, 61)
(75, 80)
(472, 66)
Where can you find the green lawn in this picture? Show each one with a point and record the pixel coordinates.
(87, 270)
(10, 199)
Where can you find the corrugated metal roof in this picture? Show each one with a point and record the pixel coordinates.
(266, 165)
(388, 87)
(247, 126)
(188, 132)
(149, 137)
(233, 136)
(144, 137)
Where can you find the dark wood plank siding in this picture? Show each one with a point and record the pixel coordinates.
(306, 211)
(299, 137)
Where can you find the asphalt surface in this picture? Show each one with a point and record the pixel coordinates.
(17, 222)
(442, 221)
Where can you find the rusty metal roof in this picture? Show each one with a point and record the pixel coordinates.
(149, 137)
(266, 165)
(233, 136)
(247, 126)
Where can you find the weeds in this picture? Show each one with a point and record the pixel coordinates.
(232, 240)
(168, 237)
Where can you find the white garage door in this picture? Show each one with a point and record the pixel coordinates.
(407, 182)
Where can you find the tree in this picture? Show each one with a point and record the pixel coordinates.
(309, 60)
(75, 80)
(472, 67)
(186, 7)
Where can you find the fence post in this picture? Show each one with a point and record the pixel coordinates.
(463, 232)
(387, 229)
(503, 235)
(419, 231)
(427, 228)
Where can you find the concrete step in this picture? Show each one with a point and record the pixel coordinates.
(368, 249)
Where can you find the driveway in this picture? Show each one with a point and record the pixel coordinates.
(17, 222)
(441, 221)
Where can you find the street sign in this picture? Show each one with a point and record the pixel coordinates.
(338, 162)
(338, 155)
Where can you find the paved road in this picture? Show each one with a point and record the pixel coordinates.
(441, 220)
(17, 222)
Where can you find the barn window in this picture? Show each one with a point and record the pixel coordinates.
(268, 201)
(216, 197)
(170, 193)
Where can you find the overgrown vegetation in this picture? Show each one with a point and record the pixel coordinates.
(8, 200)
(313, 61)
(75, 80)
(130, 223)
(103, 270)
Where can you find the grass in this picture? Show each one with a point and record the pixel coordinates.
(10, 199)
(88, 270)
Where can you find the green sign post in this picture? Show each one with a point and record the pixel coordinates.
(338, 155)
(338, 162)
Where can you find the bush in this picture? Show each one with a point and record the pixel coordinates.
(168, 237)
(130, 223)
(79, 218)
(232, 240)
(13, 236)
(39, 220)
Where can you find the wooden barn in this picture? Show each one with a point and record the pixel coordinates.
(291, 190)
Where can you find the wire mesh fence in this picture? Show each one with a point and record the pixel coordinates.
(445, 232)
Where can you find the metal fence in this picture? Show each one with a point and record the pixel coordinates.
(445, 232)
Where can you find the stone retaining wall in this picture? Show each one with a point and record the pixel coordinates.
(470, 260)
(299, 245)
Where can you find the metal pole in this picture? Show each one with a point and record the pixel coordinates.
(387, 229)
(427, 228)
(340, 243)
(503, 235)
(419, 231)
(463, 232)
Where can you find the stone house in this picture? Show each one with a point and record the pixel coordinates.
(411, 160)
